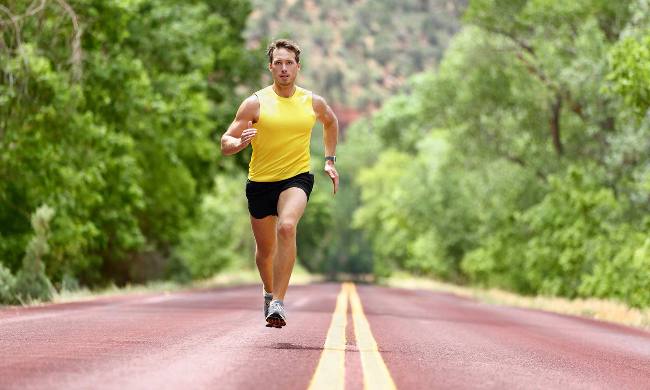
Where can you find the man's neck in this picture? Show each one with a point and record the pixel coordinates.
(284, 91)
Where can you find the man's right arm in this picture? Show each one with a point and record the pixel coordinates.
(240, 133)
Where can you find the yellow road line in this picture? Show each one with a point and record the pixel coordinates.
(375, 372)
(330, 372)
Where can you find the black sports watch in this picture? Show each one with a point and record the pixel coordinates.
(330, 158)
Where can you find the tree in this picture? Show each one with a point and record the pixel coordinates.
(109, 114)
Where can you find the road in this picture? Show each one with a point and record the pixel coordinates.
(338, 336)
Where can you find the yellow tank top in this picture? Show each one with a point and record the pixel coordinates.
(281, 147)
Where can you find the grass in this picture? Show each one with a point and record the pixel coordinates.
(600, 309)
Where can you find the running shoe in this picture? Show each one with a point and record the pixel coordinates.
(276, 316)
(267, 301)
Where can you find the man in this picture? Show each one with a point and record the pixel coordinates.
(277, 121)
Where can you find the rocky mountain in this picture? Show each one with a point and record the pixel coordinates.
(356, 53)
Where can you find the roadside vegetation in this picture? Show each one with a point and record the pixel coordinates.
(110, 114)
(521, 163)
(515, 155)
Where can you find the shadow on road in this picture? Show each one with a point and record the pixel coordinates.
(294, 346)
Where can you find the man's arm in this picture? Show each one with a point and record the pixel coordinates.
(325, 114)
(240, 133)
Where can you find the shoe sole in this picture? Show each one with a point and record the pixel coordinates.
(275, 321)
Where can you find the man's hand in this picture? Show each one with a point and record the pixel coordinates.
(333, 174)
(241, 132)
(247, 135)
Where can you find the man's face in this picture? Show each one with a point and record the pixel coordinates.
(284, 67)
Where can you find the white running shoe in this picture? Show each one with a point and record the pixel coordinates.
(276, 316)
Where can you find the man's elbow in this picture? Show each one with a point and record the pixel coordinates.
(332, 124)
(225, 149)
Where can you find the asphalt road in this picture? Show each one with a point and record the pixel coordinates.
(337, 336)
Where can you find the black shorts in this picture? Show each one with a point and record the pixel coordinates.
(263, 196)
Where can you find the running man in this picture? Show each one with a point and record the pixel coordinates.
(277, 121)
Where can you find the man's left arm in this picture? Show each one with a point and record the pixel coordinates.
(326, 116)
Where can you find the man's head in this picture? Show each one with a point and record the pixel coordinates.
(284, 61)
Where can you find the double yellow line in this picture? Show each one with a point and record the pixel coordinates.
(330, 372)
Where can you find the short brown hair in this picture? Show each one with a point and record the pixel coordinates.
(284, 44)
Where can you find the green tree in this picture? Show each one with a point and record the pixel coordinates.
(541, 183)
(109, 113)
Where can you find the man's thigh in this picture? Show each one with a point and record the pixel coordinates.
(292, 204)
(264, 232)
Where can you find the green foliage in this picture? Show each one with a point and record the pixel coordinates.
(341, 247)
(630, 64)
(7, 286)
(385, 224)
(221, 235)
(624, 275)
(575, 242)
(567, 229)
(315, 227)
(430, 213)
(398, 124)
(522, 161)
(31, 281)
(113, 124)
(440, 231)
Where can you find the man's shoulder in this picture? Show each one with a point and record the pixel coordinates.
(250, 105)
(252, 100)
(318, 101)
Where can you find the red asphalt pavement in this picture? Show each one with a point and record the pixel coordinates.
(217, 339)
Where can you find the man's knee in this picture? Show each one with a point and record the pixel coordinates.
(287, 229)
(264, 254)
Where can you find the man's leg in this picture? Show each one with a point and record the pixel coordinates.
(291, 206)
(264, 230)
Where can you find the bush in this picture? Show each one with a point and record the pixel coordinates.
(499, 261)
(312, 239)
(31, 281)
(626, 275)
(7, 285)
(575, 242)
(220, 236)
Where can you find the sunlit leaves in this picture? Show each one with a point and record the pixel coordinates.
(630, 74)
